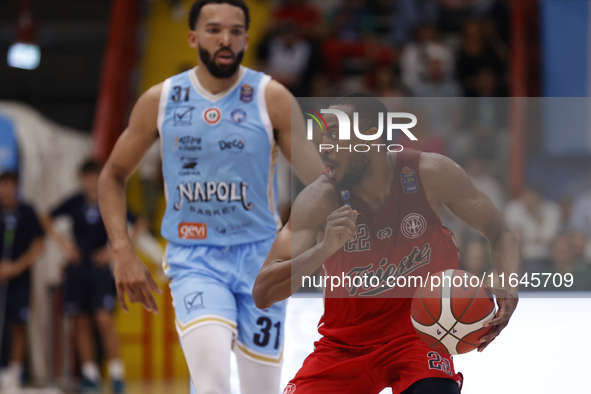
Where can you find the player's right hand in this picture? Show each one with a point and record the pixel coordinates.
(134, 278)
(341, 226)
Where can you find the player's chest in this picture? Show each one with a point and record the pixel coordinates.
(215, 131)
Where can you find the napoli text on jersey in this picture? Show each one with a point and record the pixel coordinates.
(218, 161)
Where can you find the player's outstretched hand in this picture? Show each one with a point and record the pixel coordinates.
(340, 227)
(133, 277)
(507, 303)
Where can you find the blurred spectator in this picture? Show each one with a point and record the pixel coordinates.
(481, 59)
(20, 245)
(305, 17)
(566, 260)
(407, 15)
(287, 58)
(89, 286)
(479, 172)
(487, 84)
(381, 11)
(566, 205)
(320, 85)
(452, 13)
(351, 21)
(535, 222)
(580, 218)
(485, 134)
(579, 244)
(415, 61)
(386, 84)
(498, 17)
(351, 34)
(437, 82)
(427, 139)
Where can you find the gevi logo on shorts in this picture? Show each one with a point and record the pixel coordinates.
(345, 129)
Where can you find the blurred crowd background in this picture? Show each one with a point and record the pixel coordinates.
(461, 64)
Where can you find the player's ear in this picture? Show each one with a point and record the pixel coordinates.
(192, 39)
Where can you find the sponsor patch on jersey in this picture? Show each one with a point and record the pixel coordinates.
(385, 233)
(289, 389)
(192, 230)
(182, 116)
(246, 93)
(194, 301)
(410, 183)
(212, 116)
(187, 143)
(233, 143)
(413, 225)
(238, 115)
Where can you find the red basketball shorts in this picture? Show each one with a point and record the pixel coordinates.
(338, 368)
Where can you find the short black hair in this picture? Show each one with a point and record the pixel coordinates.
(90, 166)
(9, 176)
(197, 5)
(368, 107)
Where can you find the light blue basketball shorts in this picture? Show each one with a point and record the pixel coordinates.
(213, 285)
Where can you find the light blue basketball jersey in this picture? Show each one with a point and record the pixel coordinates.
(218, 161)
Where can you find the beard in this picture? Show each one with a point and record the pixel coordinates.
(356, 166)
(222, 72)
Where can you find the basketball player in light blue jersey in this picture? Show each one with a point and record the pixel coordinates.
(219, 126)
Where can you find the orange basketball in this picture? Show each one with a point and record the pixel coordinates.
(448, 313)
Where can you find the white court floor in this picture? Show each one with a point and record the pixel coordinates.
(544, 350)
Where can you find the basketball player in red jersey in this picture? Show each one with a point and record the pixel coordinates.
(375, 214)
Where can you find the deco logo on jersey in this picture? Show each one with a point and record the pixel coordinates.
(410, 183)
(194, 301)
(192, 230)
(212, 116)
(238, 115)
(183, 115)
(246, 93)
(233, 144)
(413, 225)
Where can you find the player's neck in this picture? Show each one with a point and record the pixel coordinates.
(374, 189)
(212, 84)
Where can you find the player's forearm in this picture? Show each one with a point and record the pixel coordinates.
(306, 162)
(113, 208)
(26, 260)
(506, 254)
(279, 279)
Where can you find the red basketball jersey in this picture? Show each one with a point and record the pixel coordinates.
(406, 239)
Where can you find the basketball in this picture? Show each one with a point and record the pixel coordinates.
(449, 311)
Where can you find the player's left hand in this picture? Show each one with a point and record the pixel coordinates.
(8, 270)
(507, 303)
(102, 257)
